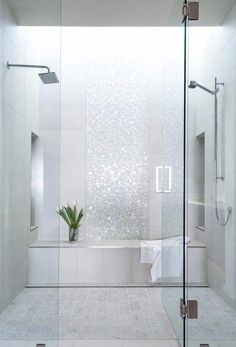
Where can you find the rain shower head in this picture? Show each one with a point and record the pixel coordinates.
(194, 84)
(46, 77)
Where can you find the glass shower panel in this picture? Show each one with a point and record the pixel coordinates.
(117, 116)
(174, 242)
(29, 171)
(211, 174)
(122, 120)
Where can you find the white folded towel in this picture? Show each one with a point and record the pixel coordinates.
(165, 256)
(148, 251)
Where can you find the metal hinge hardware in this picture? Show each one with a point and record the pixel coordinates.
(189, 310)
(204, 345)
(191, 10)
(40, 345)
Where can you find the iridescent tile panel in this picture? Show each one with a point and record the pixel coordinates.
(117, 147)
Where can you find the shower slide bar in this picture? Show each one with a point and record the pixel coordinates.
(222, 220)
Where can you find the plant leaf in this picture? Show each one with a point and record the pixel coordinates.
(64, 216)
(69, 215)
(80, 216)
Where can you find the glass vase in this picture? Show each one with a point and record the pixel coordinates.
(73, 234)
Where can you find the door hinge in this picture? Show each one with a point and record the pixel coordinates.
(40, 345)
(191, 10)
(204, 345)
(189, 310)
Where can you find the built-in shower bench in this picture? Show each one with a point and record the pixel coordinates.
(101, 262)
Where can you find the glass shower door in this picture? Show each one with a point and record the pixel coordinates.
(172, 177)
(29, 175)
(211, 173)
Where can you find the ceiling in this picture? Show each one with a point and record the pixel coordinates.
(114, 12)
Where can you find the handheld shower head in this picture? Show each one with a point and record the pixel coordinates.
(194, 84)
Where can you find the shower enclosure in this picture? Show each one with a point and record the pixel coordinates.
(135, 123)
(29, 171)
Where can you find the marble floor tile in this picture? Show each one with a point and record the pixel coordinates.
(13, 344)
(47, 343)
(196, 343)
(99, 343)
(216, 319)
(114, 315)
(85, 314)
(147, 343)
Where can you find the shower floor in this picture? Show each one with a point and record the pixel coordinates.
(117, 314)
(86, 313)
(93, 343)
(216, 323)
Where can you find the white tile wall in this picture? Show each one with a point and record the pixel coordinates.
(43, 266)
(78, 265)
(19, 116)
(73, 117)
(49, 44)
(73, 126)
(210, 57)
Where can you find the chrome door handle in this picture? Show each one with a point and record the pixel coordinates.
(161, 186)
(169, 186)
(159, 179)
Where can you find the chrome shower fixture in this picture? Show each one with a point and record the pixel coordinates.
(194, 84)
(218, 177)
(46, 77)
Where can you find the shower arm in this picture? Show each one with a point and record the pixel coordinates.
(30, 66)
(213, 92)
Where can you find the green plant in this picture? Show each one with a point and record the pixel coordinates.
(71, 215)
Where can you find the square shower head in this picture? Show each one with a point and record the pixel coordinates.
(49, 77)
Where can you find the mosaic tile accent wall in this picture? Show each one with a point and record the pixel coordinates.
(172, 135)
(117, 146)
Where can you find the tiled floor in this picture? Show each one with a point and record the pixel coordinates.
(93, 343)
(112, 343)
(114, 317)
(87, 313)
(216, 321)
